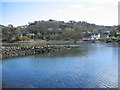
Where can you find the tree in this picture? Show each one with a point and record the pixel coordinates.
(51, 20)
(77, 28)
(10, 25)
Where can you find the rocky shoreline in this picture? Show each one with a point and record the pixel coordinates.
(9, 52)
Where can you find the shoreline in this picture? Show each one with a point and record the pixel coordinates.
(52, 42)
(11, 52)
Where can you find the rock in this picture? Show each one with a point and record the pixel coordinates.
(22, 51)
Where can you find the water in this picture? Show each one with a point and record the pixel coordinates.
(68, 45)
(89, 66)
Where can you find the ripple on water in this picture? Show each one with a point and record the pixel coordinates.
(83, 68)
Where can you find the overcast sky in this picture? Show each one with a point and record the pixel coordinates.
(20, 12)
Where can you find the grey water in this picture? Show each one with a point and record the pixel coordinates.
(89, 66)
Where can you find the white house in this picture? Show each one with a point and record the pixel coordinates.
(50, 29)
(30, 34)
(106, 32)
(95, 36)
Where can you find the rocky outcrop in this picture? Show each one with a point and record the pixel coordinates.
(8, 52)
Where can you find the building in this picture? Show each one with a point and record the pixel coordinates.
(30, 34)
(104, 36)
(105, 32)
(50, 29)
(95, 36)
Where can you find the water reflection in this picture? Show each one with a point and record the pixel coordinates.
(81, 51)
(71, 53)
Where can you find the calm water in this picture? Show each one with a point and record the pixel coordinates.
(68, 45)
(90, 66)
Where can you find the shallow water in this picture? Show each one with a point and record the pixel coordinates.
(89, 66)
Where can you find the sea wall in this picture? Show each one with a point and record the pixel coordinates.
(9, 52)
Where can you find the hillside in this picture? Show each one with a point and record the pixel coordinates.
(53, 30)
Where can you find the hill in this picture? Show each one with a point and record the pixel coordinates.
(53, 30)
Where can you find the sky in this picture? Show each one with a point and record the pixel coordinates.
(19, 12)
